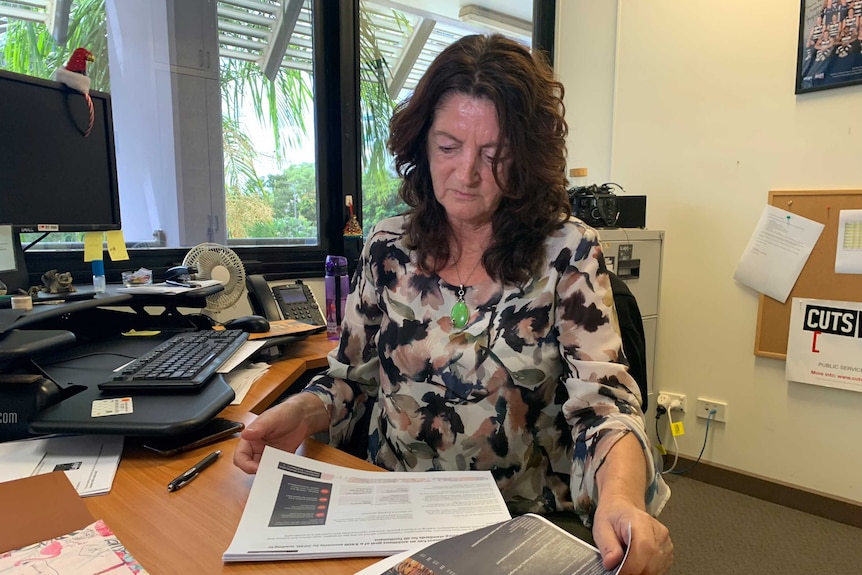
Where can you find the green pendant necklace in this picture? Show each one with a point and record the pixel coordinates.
(460, 313)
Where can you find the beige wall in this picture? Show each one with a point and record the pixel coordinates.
(692, 104)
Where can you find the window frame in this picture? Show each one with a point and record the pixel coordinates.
(338, 162)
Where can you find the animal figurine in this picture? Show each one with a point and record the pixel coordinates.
(57, 282)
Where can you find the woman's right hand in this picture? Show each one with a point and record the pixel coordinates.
(284, 426)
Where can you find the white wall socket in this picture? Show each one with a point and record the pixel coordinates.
(704, 406)
(666, 398)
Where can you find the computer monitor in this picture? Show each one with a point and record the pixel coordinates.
(53, 178)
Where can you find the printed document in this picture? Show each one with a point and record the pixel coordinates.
(299, 508)
(7, 253)
(848, 252)
(777, 252)
(90, 461)
(526, 544)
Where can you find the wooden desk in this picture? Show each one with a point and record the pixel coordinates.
(187, 531)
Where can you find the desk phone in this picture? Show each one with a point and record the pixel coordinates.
(283, 300)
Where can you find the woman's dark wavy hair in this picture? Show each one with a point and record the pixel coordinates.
(530, 111)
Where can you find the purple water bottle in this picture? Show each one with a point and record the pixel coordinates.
(337, 286)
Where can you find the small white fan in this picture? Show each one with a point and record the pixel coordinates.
(218, 262)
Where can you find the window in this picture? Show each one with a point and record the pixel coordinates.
(233, 118)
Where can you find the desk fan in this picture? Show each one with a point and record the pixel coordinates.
(218, 262)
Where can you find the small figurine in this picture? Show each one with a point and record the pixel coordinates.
(353, 229)
(74, 75)
(56, 282)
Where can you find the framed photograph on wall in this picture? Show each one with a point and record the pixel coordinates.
(830, 45)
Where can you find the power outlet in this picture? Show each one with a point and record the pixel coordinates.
(668, 400)
(704, 406)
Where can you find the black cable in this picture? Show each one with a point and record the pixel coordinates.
(659, 411)
(705, 435)
(34, 242)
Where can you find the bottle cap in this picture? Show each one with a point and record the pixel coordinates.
(98, 267)
(336, 265)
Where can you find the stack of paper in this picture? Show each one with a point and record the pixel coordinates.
(90, 461)
(240, 380)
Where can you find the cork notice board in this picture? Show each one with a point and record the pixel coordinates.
(818, 278)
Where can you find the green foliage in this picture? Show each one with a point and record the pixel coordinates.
(294, 192)
(379, 198)
(281, 104)
(28, 47)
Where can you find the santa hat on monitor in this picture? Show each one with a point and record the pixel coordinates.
(74, 75)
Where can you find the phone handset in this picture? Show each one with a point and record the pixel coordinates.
(261, 298)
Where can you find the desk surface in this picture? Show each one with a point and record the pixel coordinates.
(187, 531)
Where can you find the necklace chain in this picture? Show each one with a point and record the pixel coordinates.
(458, 273)
(460, 314)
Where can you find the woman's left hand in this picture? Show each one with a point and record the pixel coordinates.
(651, 551)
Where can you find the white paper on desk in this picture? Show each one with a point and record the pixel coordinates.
(7, 254)
(848, 252)
(245, 351)
(299, 508)
(777, 252)
(241, 380)
(90, 461)
(167, 289)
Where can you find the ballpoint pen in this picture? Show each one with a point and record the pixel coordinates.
(194, 471)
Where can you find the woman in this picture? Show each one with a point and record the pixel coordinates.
(480, 331)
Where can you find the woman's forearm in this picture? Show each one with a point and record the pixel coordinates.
(623, 473)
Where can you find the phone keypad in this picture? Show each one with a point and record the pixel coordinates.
(305, 313)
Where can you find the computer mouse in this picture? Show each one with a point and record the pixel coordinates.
(248, 323)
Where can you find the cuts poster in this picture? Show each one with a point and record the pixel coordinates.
(825, 343)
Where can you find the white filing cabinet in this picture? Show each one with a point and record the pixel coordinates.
(635, 255)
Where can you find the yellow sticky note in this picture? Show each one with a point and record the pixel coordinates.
(140, 333)
(677, 429)
(117, 246)
(92, 246)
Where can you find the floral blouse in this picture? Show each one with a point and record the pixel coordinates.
(533, 388)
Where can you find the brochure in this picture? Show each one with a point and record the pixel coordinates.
(526, 544)
(299, 508)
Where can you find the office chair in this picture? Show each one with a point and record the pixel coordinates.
(632, 332)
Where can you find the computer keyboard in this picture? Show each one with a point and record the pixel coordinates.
(185, 361)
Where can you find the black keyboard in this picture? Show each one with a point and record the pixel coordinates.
(185, 361)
